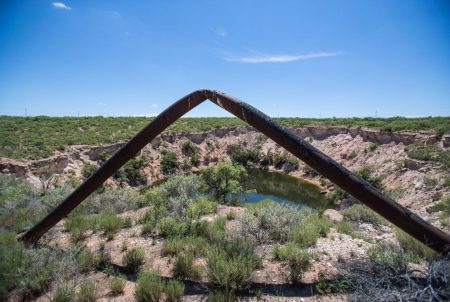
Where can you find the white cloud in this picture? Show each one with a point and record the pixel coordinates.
(61, 5)
(101, 104)
(282, 58)
(154, 105)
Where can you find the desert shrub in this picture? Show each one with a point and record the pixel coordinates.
(169, 163)
(117, 285)
(88, 169)
(291, 164)
(169, 227)
(267, 220)
(86, 293)
(373, 147)
(185, 268)
(77, 225)
(111, 200)
(344, 227)
(179, 191)
(243, 155)
(423, 152)
(335, 195)
(389, 255)
(443, 205)
(87, 260)
(12, 256)
(310, 229)
(174, 291)
(229, 272)
(284, 252)
(131, 172)
(64, 293)
(189, 148)
(361, 213)
(134, 258)
(110, 224)
(353, 154)
(195, 159)
(176, 245)
(305, 235)
(149, 287)
(412, 245)
(224, 178)
(367, 173)
(22, 205)
(299, 262)
(147, 228)
(266, 159)
(310, 172)
(320, 223)
(231, 215)
(201, 206)
(279, 159)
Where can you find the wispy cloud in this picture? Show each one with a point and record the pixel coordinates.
(154, 105)
(221, 32)
(282, 58)
(61, 5)
(101, 104)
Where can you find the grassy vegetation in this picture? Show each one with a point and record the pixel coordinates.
(40, 136)
(117, 285)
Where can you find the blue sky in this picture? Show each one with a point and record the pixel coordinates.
(287, 58)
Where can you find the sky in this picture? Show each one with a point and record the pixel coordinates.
(287, 58)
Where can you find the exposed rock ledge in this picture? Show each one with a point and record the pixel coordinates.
(60, 161)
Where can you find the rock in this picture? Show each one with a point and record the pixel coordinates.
(333, 215)
(414, 164)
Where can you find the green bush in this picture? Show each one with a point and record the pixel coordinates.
(110, 225)
(88, 261)
(291, 164)
(267, 220)
(224, 178)
(88, 169)
(86, 293)
(367, 173)
(344, 227)
(201, 206)
(149, 287)
(362, 213)
(117, 285)
(306, 233)
(229, 273)
(64, 293)
(412, 245)
(390, 256)
(243, 155)
(131, 172)
(169, 227)
(185, 268)
(134, 258)
(176, 245)
(174, 291)
(299, 262)
(169, 163)
(12, 259)
(373, 147)
(231, 215)
(77, 225)
(189, 148)
(231, 264)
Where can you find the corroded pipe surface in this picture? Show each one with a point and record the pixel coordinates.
(345, 179)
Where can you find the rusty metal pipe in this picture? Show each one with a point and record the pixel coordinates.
(349, 182)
